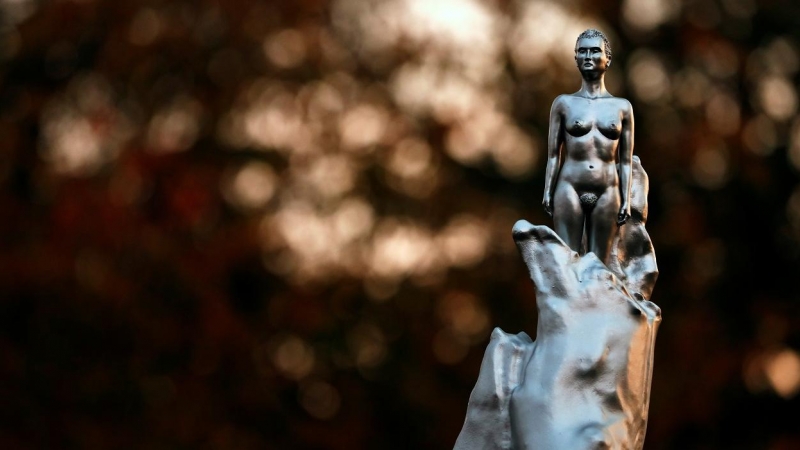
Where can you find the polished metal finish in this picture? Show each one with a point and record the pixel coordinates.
(589, 131)
(633, 258)
(584, 383)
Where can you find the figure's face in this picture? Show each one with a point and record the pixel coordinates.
(590, 55)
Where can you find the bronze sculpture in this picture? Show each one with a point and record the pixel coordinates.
(584, 383)
(582, 189)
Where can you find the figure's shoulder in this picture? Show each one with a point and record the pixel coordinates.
(562, 102)
(623, 104)
(620, 105)
(568, 98)
(558, 107)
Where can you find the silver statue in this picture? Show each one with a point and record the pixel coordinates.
(584, 383)
(594, 128)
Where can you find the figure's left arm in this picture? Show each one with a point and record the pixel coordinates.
(625, 158)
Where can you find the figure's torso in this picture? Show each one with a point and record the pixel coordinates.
(592, 129)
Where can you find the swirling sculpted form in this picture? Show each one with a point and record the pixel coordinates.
(633, 258)
(585, 382)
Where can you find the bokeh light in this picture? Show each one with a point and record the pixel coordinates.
(287, 224)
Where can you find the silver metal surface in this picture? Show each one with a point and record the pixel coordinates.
(584, 383)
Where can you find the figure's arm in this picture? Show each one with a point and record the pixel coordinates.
(625, 161)
(554, 141)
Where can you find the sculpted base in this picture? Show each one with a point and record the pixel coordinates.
(585, 382)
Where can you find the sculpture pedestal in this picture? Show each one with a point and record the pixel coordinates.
(585, 382)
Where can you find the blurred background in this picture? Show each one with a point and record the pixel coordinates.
(249, 224)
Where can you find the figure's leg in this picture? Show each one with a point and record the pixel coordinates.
(568, 215)
(604, 223)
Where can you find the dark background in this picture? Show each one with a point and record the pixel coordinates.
(249, 224)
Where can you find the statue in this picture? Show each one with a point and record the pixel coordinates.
(582, 183)
(584, 383)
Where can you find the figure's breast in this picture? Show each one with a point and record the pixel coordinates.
(600, 116)
(579, 125)
(610, 128)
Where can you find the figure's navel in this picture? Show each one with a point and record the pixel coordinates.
(591, 167)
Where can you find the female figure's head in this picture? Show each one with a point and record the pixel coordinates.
(592, 53)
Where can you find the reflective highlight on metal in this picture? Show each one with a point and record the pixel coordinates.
(584, 383)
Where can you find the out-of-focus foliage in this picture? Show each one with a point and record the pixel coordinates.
(250, 224)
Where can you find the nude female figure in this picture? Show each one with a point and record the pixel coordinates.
(589, 131)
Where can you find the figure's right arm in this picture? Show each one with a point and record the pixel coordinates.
(555, 140)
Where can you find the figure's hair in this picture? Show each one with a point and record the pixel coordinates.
(592, 33)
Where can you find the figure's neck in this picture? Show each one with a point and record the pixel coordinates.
(593, 86)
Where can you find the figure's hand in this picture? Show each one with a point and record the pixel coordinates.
(547, 203)
(624, 215)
